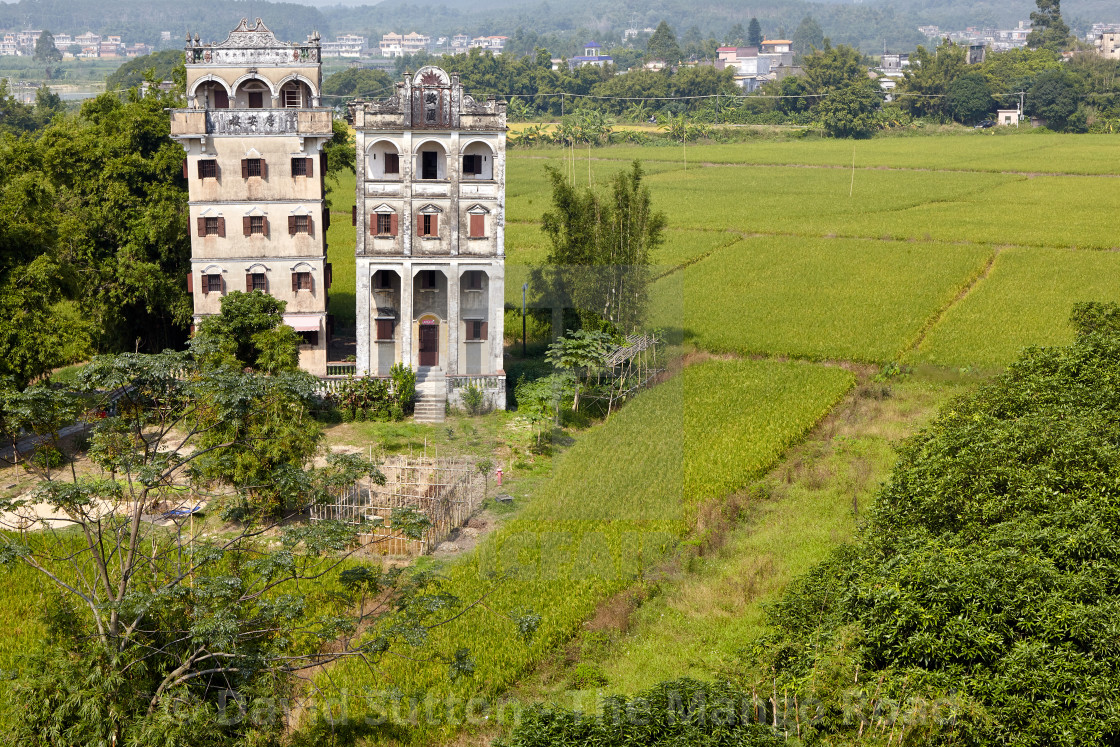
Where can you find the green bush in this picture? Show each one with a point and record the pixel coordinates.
(47, 457)
(474, 399)
(587, 675)
(986, 579)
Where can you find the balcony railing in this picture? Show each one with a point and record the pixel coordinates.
(187, 122)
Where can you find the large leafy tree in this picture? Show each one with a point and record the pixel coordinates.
(662, 45)
(599, 260)
(850, 112)
(970, 98)
(807, 38)
(162, 627)
(754, 33)
(928, 81)
(45, 50)
(1048, 28)
(1054, 97)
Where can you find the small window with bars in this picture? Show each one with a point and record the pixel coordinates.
(384, 224)
(208, 169)
(211, 226)
(299, 166)
(300, 224)
(257, 282)
(429, 225)
(253, 167)
(301, 281)
(292, 98)
(384, 329)
(212, 283)
(256, 225)
(476, 330)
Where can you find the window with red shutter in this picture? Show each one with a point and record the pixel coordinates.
(478, 226)
(384, 329)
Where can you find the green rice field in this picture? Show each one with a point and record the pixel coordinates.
(616, 500)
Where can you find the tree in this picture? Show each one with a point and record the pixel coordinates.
(850, 111)
(926, 83)
(583, 353)
(834, 68)
(155, 629)
(248, 332)
(158, 66)
(45, 50)
(754, 33)
(808, 37)
(599, 259)
(970, 98)
(1053, 97)
(736, 37)
(356, 83)
(1048, 29)
(662, 45)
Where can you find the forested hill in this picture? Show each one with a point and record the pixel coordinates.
(559, 25)
(143, 20)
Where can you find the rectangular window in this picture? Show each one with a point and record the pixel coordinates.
(384, 224)
(392, 163)
(478, 226)
(256, 225)
(429, 164)
(473, 280)
(256, 99)
(384, 329)
(427, 280)
(211, 226)
(257, 282)
(301, 281)
(309, 338)
(208, 169)
(292, 98)
(299, 224)
(212, 284)
(476, 329)
(299, 167)
(472, 165)
(384, 280)
(428, 225)
(252, 167)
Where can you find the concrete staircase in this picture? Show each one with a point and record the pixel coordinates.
(431, 395)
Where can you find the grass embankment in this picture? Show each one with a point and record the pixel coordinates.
(617, 499)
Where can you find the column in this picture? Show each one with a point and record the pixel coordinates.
(362, 316)
(405, 270)
(453, 322)
(495, 343)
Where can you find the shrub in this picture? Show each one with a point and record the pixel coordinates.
(474, 399)
(47, 457)
(404, 386)
(587, 675)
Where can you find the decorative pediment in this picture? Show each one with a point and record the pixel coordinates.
(429, 210)
(255, 36)
(478, 210)
(383, 209)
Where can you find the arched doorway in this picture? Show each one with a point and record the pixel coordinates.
(429, 341)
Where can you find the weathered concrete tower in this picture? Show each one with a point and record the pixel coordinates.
(430, 247)
(254, 133)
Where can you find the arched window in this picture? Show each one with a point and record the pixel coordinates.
(383, 161)
(253, 94)
(431, 161)
(478, 162)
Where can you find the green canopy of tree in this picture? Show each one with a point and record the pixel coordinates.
(807, 38)
(97, 206)
(850, 112)
(356, 83)
(249, 331)
(970, 98)
(161, 634)
(662, 45)
(926, 83)
(834, 68)
(45, 49)
(599, 259)
(754, 33)
(156, 67)
(1054, 97)
(1048, 28)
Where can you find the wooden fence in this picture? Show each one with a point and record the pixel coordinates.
(446, 491)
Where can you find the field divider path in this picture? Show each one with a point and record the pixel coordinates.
(938, 315)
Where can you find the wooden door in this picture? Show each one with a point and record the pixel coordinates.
(429, 345)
